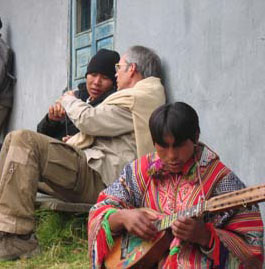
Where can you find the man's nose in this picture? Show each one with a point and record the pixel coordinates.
(172, 154)
(97, 80)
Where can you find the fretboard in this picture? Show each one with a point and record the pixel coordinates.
(239, 198)
(167, 220)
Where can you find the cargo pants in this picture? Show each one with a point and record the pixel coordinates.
(26, 157)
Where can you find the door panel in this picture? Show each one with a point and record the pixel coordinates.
(106, 43)
(92, 29)
(104, 35)
(82, 56)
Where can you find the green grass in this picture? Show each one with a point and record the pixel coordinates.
(63, 241)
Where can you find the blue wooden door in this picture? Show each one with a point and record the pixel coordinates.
(92, 28)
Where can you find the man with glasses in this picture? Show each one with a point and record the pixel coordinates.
(111, 135)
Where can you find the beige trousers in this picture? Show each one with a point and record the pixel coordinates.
(27, 156)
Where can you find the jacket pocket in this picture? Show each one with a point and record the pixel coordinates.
(62, 165)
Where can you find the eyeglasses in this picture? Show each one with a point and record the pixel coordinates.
(118, 66)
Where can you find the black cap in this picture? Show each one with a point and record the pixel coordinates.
(103, 62)
(0, 23)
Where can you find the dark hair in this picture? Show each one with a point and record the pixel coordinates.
(179, 120)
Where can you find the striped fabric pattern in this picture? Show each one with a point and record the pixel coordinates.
(240, 231)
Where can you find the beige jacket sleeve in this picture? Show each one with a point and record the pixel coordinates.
(102, 120)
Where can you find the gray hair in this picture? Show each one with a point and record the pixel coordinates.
(147, 61)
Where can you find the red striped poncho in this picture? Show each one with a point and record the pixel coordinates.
(237, 234)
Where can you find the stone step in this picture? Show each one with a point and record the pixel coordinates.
(44, 201)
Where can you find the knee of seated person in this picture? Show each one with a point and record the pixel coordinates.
(19, 135)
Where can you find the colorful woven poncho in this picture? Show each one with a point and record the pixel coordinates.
(237, 235)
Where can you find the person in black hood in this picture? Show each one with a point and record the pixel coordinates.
(100, 83)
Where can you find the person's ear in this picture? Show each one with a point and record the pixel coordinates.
(133, 68)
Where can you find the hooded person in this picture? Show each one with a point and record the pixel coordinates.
(100, 83)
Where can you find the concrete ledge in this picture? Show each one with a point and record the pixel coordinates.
(44, 201)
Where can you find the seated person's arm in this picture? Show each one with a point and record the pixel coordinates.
(125, 195)
(243, 241)
(191, 230)
(103, 120)
(136, 221)
(52, 125)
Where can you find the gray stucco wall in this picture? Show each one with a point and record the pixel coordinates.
(37, 31)
(214, 55)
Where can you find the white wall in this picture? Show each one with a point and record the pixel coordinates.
(214, 55)
(37, 31)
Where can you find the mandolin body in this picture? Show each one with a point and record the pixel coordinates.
(145, 254)
(140, 253)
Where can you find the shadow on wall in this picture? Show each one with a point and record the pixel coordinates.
(165, 80)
